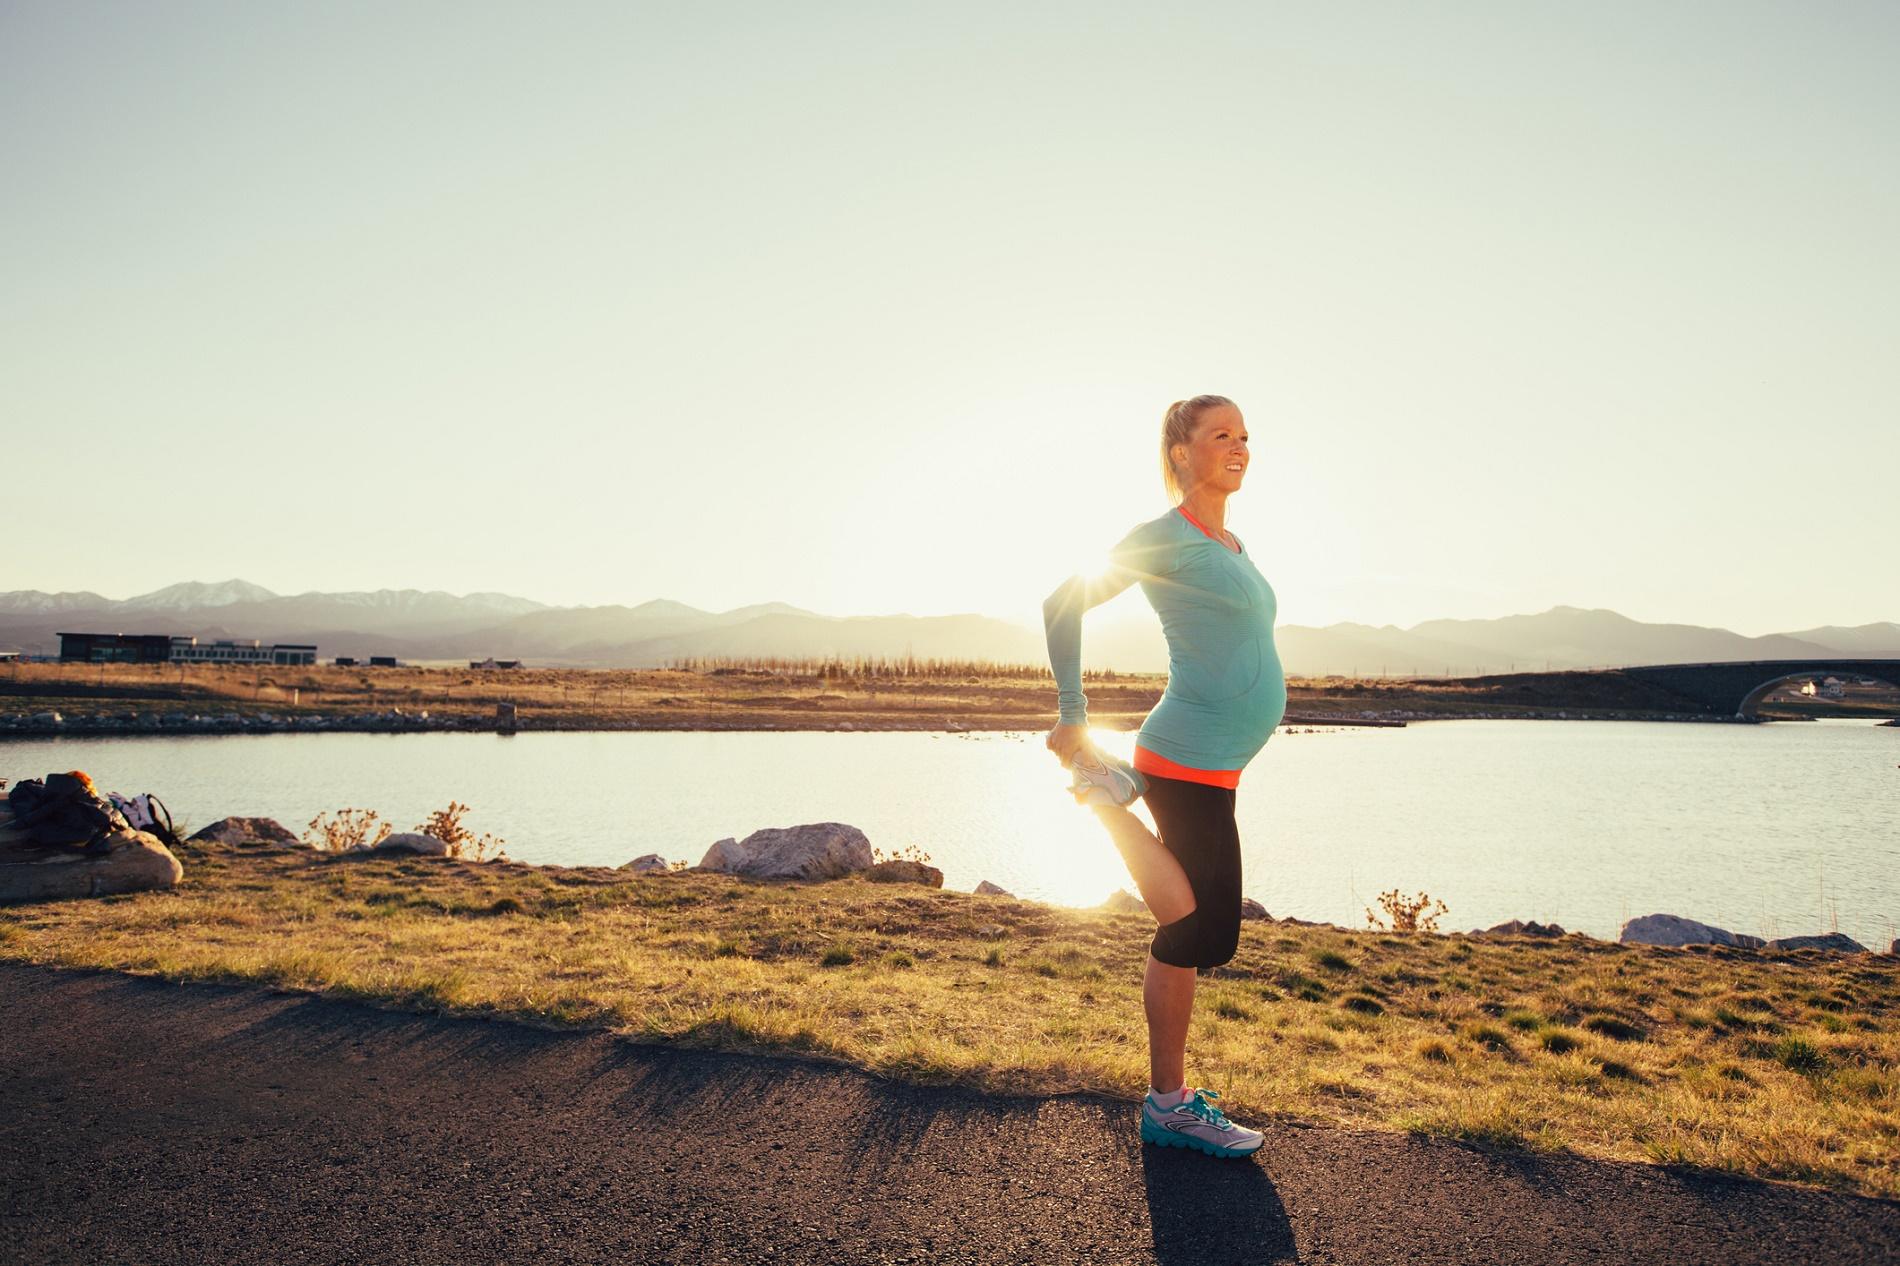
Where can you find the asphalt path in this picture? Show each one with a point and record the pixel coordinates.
(145, 1122)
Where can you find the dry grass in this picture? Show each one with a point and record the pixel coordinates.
(784, 694)
(1785, 1066)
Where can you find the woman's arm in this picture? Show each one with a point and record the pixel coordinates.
(1062, 625)
(1141, 555)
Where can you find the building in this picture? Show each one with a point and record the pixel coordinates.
(346, 661)
(494, 663)
(383, 661)
(164, 648)
(115, 648)
(188, 650)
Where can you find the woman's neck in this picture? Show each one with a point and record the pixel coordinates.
(1210, 509)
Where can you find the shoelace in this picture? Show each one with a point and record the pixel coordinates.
(1198, 1103)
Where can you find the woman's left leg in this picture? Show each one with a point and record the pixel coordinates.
(1198, 828)
(1167, 995)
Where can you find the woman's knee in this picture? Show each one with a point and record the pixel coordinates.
(1201, 939)
(1223, 942)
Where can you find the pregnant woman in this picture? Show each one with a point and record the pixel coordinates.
(1226, 693)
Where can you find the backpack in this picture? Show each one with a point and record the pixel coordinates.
(146, 812)
(64, 812)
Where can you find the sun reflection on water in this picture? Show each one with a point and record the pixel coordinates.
(1068, 857)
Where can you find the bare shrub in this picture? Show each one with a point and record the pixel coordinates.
(1408, 914)
(351, 828)
(446, 825)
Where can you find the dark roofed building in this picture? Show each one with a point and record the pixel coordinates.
(115, 648)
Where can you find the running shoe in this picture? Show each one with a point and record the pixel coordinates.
(1103, 779)
(1195, 1122)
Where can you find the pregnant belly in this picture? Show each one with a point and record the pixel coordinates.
(1242, 697)
(1208, 681)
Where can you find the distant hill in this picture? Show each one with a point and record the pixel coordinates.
(430, 625)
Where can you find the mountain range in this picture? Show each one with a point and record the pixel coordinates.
(421, 626)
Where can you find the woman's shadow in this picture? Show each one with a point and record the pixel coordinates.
(1207, 1210)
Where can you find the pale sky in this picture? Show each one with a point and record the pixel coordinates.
(875, 308)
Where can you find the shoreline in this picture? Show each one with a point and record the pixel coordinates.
(397, 721)
(46, 699)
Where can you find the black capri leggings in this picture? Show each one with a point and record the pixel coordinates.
(1196, 823)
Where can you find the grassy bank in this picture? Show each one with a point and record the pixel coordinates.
(1774, 1065)
(808, 695)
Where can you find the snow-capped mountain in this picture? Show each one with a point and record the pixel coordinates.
(39, 602)
(395, 601)
(187, 595)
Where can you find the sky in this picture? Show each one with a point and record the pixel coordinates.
(876, 308)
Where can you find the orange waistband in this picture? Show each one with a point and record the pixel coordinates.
(1149, 763)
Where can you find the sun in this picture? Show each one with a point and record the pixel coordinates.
(1093, 567)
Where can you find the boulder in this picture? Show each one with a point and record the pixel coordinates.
(902, 871)
(1894, 949)
(813, 850)
(1121, 901)
(237, 832)
(410, 842)
(1832, 941)
(129, 861)
(1673, 929)
(1251, 910)
(647, 864)
(1517, 927)
(988, 889)
(724, 856)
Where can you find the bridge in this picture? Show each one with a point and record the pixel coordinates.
(1739, 687)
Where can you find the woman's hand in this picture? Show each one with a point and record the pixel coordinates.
(1066, 740)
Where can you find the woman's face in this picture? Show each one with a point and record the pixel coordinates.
(1217, 454)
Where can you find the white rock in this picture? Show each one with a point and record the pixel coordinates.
(129, 861)
(239, 832)
(1673, 929)
(647, 863)
(1830, 941)
(726, 856)
(813, 850)
(411, 842)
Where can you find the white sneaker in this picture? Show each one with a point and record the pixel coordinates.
(1103, 779)
(1195, 1122)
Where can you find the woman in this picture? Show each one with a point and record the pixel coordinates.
(1226, 693)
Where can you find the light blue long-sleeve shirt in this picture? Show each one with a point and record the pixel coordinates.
(1226, 689)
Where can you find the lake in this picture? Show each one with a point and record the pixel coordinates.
(1775, 829)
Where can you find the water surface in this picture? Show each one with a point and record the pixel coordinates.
(1775, 829)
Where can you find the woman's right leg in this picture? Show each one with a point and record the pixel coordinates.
(1164, 885)
(1167, 991)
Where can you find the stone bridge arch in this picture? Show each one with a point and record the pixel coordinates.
(1737, 689)
(1748, 707)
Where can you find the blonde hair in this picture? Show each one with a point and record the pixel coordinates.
(1177, 427)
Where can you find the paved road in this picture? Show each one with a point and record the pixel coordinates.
(145, 1122)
